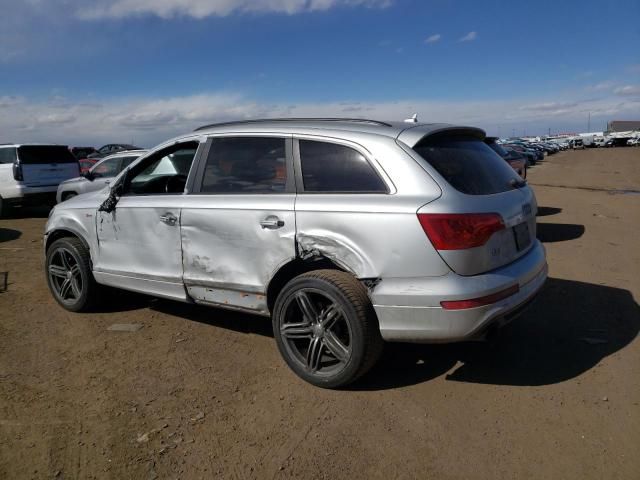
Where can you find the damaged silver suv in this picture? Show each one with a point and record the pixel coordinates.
(347, 233)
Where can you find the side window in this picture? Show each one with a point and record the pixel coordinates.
(246, 165)
(328, 167)
(126, 161)
(164, 172)
(7, 155)
(107, 168)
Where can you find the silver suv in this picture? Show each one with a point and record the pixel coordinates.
(345, 232)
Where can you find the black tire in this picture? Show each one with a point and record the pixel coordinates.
(344, 313)
(68, 260)
(4, 209)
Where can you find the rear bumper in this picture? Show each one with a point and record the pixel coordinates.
(409, 310)
(24, 195)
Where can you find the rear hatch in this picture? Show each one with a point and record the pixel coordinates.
(486, 217)
(46, 165)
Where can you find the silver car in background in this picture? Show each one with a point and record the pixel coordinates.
(99, 176)
(346, 232)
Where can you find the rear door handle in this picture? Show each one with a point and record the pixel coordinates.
(169, 218)
(272, 222)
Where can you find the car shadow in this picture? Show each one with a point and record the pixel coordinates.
(558, 232)
(218, 317)
(9, 234)
(547, 211)
(569, 329)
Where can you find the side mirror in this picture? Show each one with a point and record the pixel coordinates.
(109, 205)
(89, 176)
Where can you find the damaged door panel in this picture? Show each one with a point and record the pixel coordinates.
(238, 227)
(139, 250)
(228, 255)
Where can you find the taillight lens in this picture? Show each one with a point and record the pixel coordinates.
(459, 231)
(17, 172)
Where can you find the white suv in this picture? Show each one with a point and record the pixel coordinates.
(30, 174)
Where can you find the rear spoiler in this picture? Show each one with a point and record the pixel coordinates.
(413, 135)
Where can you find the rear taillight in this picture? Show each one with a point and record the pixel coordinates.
(481, 301)
(17, 172)
(459, 231)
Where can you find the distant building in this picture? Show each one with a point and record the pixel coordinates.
(623, 125)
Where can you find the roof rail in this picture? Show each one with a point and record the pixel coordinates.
(242, 122)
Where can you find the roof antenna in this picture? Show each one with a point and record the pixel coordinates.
(413, 119)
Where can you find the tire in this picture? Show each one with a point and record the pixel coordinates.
(69, 276)
(338, 339)
(4, 208)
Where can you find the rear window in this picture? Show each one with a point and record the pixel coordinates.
(32, 154)
(7, 155)
(468, 164)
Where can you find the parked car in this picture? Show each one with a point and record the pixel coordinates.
(98, 176)
(633, 142)
(82, 152)
(577, 143)
(285, 218)
(525, 152)
(111, 148)
(514, 159)
(30, 173)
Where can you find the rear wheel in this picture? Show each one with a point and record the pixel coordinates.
(326, 329)
(68, 269)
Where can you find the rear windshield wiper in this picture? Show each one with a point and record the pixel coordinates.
(517, 183)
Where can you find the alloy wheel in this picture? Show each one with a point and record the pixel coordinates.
(316, 332)
(65, 275)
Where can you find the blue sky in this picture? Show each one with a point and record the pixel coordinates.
(74, 71)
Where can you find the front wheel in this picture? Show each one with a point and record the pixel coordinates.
(69, 276)
(326, 329)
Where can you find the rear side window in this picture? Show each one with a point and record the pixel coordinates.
(468, 164)
(7, 155)
(33, 154)
(328, 167)
(246, 165)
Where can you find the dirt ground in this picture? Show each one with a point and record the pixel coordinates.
(203, 393)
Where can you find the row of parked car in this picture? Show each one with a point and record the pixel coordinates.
(40, 174)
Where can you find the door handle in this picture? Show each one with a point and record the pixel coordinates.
(272, 222)
(169, 218)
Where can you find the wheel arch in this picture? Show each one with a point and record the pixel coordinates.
(292, 269)
(59, 233)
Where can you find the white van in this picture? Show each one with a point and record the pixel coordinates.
(30, 174)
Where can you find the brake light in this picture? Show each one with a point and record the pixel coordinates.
(459, 231)
(17, 172)
(481, 301)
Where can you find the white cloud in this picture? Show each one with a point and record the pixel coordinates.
(147, 122)
(99, 9)
(598, 87)
(433, 38)
(627, 90)
(469, 37)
